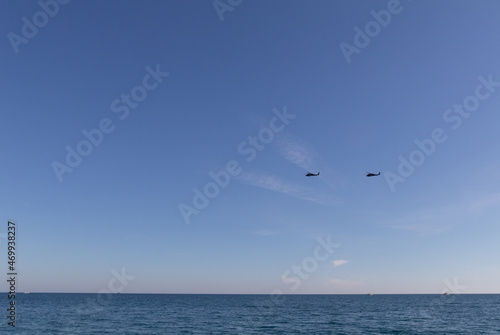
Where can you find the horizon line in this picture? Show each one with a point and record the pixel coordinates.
(267, 294)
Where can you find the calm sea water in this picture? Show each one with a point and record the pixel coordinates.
(253, 314)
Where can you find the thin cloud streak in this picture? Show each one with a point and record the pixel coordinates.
(423, 224)
(296, 190)
(438, 220)
(265, 232)
(487, 201)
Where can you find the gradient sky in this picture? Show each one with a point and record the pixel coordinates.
(119, 208)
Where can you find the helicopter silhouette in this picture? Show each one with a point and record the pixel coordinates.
(309, 174)
(369, 174)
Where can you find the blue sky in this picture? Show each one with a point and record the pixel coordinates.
(119, 207)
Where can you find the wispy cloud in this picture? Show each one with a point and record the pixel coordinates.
(423, 228)
(296, 151)
(303, 155)
(265, 232)
(296, 190)
(439, 219)
(484, 202)
(339, 262)
(429, 221)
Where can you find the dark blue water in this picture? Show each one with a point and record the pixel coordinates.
(253, 314)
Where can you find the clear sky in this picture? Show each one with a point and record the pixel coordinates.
(263, 91)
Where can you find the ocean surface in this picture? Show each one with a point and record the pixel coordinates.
(53, 313)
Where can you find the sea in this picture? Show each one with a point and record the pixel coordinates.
(79, 313)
